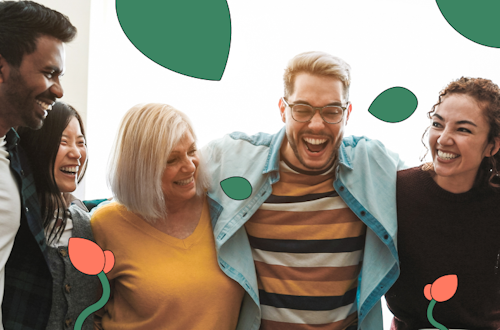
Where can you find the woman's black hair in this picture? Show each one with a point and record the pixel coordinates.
(41, 148)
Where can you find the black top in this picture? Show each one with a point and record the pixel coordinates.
(441, 233)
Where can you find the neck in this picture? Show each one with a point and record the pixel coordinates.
(4, 128)
(184, 206)
(454, 185)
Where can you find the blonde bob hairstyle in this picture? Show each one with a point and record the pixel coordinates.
(146, 137)
(319, 64)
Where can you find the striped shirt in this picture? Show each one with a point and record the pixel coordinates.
(307, 246)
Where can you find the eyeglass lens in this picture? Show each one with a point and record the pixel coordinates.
(303, 112)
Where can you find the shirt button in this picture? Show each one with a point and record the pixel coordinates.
(27, 209)
(22, 172)
(67, 288)
(363, 213)
(68, 322)
(41, 242)
(386, 236)
(63, 252)
(342, 188)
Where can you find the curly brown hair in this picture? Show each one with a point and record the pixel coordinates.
(487, 94)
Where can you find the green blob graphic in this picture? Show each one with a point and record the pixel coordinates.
(394, 105)
(237, 188)
(190, 37)
(477, 20)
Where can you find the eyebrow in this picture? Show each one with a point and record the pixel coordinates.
(54, 69)
(460, 122)
(305, 102)
(191, 147)
(79, 136)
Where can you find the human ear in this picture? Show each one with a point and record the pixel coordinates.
(282, 107)
(349, 109)
(495, 147)
(3, 69)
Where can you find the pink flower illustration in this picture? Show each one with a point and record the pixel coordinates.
(88, 257)
(442, 289)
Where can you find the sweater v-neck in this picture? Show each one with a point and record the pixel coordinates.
(148, 229)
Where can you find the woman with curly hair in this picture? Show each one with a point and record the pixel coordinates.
(448, 214)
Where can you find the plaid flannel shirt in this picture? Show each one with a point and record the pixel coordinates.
(28, 282)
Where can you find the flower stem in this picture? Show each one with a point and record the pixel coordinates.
(431, 318)
(98, 305)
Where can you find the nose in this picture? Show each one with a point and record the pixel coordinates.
(75, 152)
(316, 121)
(188, 165)
(57, 89)
(445, 139)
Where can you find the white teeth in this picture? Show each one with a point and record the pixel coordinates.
(185, 182)
(315, 141)
(72, 169)
(43, 105)
(446, 155)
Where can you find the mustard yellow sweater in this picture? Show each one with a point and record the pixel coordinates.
(161, 282)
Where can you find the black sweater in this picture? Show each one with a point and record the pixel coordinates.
(441, 233)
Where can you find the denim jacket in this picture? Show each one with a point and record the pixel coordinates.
(365, 180)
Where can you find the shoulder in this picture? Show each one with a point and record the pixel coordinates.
(106, 215)
(237, 144)
(362, 142)
(81, 222)
(259, 139)
(412, 183)
(412, 174)
(361, 148)
(107, 210)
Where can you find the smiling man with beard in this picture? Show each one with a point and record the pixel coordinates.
(32, 41)
(314, 244)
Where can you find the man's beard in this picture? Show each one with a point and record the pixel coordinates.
(21, 103)
(333, 159)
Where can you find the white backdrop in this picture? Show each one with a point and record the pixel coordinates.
(387, 43)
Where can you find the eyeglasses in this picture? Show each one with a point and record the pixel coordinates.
(332, 114)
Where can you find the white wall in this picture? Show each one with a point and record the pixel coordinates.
(387, 42)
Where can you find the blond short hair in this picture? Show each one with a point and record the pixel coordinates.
(147, 135)
(320, 64)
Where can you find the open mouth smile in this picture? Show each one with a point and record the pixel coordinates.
(44, 105)
(446, 155)
(70, 170)
(184, 182)
(315, 145)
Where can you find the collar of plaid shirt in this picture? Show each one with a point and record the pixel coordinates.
(28, 282)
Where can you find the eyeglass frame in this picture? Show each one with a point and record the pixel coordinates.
(316, 108)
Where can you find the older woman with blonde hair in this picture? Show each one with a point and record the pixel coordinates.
(166, 274)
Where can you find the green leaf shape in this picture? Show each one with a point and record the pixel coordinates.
(236, 188)
(394, 105)
(475, 20)
(190, 37)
